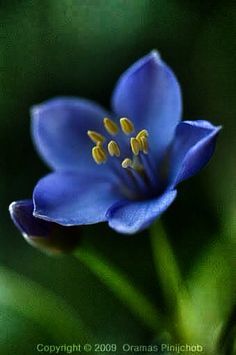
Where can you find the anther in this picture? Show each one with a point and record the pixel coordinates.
(126, 163)
(113, 149)
(99, 154)
(110, 126)
(99, 145)
(143, 133)
(126, 125)
(144, 144)
(96, 137)
(135, 146)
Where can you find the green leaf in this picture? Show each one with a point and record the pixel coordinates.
(211, 287)
(19, 335)
(227, 338)
(43, 307)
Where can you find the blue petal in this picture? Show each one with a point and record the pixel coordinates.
(129, 218)
(74, 199)
(192, 148)
(46, 236)
(59, 129)
(149, 94)
(21, 213)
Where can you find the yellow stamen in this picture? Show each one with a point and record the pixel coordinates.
(99, 144)
(99, 154)
(96, 137)
(110, 126)
(135, 146)
(126, 125)
(144, 144)
(113, 149)
(143, 133)
(126, 163)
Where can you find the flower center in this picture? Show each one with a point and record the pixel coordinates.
(128, 147)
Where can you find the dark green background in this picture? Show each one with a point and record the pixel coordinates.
(80, 47)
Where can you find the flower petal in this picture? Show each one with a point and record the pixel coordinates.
(22, 215)
(74, 199)
(149, 94)
(192, 148)
(129, 218)
(46, 236)
(59, 129)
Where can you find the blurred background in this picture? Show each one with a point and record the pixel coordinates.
(80, 47)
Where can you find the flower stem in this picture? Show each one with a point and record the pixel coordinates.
(41, 306)
(165, 264)
(122, 287)
(180, 312)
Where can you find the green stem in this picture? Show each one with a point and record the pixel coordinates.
(165, 264)
(122, 287)
(43, 307)
(176, 297)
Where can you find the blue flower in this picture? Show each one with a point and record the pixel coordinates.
(121, 167)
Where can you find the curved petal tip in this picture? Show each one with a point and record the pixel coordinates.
(50, 238)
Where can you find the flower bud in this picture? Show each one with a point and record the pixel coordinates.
(51, 238)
